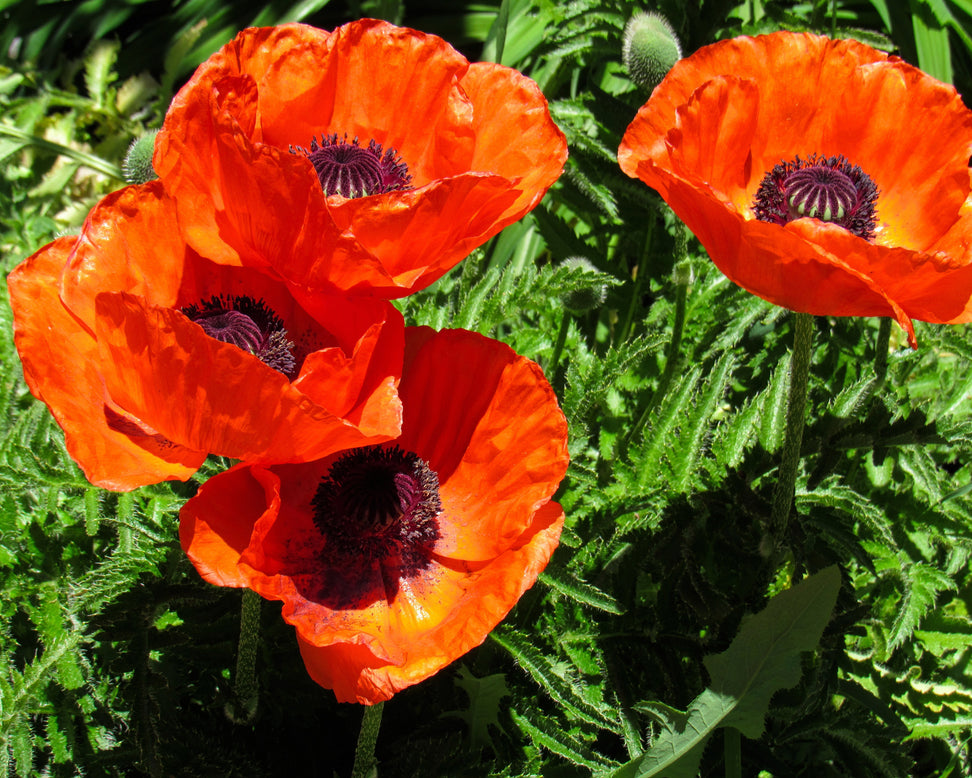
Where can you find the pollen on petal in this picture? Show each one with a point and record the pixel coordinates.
(378, 508)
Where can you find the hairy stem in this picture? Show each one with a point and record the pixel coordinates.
(639, 280)
(246, 692)
(559, 345)
(795, 419)
(881, 353)
(364, 754)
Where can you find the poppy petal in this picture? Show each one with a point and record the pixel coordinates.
(726, 115)
(215, 525)
(507, 448)
(227, 401)
(467, 605)
(129, 241)
(516, 108)
(232, 154)
(61, 367)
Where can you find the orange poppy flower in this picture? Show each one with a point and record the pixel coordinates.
(394, 560)
(821, 175)
(377, 154)
(150, 357)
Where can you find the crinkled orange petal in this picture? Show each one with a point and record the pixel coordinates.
(762, 60)
(211, 396)
(437, 618)
(61, 366)
(726, 115)
(250, 204)
(511, 106)
(384, 641)
(358, 379)
(230, 153)
(216, 524)
(351, 347)
(920, 167)
(507, 448)
(372, 80)
(409, 238)
(130, 241)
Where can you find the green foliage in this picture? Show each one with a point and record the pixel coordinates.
(635, 646)
(763, 658)
(485, 698)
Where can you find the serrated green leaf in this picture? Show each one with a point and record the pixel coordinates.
(22, 747)
(941, 728)
(92, 512)
(580, 591)
(135, 92)
(772, 408)
(57, 741)
(552, 737)
(98, 70)
(694, 430)
(922, 585)
(940, 642)
(567, 694)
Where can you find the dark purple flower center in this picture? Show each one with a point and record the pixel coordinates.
(377, 507)
(350, 170)
(826, 188)
(247, 324)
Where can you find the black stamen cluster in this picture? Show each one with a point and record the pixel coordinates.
(379, 505)
(248, 324)
(826, 188)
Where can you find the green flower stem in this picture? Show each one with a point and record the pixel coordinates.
(795, 419)
(365, 763)
(732, 752)
(246, 692)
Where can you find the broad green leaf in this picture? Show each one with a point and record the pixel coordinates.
(931, 41)
(763, 658)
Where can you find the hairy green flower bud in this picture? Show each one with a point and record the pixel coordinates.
(581, 301)
(137, 167)
(650, 49)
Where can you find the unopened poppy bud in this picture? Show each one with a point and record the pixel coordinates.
(137, 167)
(650, 49)
(581, 301)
